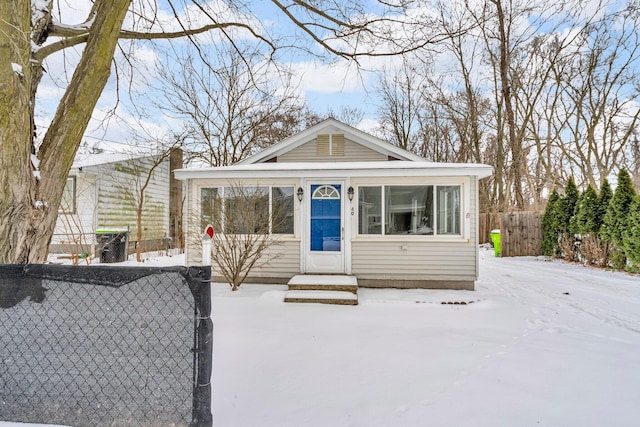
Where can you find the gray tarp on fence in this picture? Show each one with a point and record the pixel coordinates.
(99, 346)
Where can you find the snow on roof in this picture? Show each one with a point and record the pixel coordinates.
(318, 169)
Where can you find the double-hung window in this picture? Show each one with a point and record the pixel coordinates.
(409, 210)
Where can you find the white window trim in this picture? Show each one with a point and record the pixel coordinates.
(222, 196)
(462, 236)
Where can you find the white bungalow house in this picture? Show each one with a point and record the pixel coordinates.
(101, 193)
(360, 207)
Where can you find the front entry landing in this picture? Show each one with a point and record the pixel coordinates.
(323, 289)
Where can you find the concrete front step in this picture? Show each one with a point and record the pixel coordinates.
(323, 289)
(324, 283)
(322, 297)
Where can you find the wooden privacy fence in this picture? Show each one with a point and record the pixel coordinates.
(520, 232)
(486, 223)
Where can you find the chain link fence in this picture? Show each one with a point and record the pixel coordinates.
(105, 346)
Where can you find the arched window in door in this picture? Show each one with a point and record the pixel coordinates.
(326, 192)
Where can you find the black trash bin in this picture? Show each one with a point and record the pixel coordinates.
(113, 245)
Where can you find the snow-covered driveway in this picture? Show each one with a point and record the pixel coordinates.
(538, 343)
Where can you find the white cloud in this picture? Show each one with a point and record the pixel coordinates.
(370, 126)
(329, 78)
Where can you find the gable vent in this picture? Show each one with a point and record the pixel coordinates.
(322, 145)
(330, 145)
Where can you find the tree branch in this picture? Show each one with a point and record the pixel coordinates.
(73, 36)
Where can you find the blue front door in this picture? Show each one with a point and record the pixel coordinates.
(324, 247)
(326, 218)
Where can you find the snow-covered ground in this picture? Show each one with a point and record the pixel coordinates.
(538, 343)
(542, 343)
(149, 259)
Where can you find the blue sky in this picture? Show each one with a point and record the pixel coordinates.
(322, 84)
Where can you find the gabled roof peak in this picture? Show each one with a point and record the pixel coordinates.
(331, 126)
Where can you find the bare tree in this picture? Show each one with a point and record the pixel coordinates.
(234, 105)
(434, 104)
(29, 203)
(400, 105)
(541, 91)
(348, 115)
(29, 34)
(533, 64)
(599, 93)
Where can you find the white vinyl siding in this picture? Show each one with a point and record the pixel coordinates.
(353, 152)
(414, 260)
(75, 232)
(473, 209)
(283, 258)
(106, 197)
(284, 262)
(119, 191)
(192, 224)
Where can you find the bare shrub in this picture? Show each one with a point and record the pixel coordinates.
(594, 251)
(568, 249)
(247, 226)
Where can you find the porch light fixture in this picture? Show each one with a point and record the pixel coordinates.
(350, 193)
(300, 194)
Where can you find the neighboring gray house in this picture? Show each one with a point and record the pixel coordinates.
(359, 206)
(102, 192)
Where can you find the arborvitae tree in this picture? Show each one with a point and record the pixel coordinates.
(568, 204)
(616, 218)
(573, 221)
(550, 225)
(586, 218)
(631, 234)
(603, 204)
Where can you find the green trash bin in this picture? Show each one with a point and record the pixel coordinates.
(495, 239)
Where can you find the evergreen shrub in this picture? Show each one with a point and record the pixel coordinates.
(631, 235)
(616, 219)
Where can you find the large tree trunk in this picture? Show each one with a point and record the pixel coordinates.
(29, 206)
(515, 144)
(16, 177)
